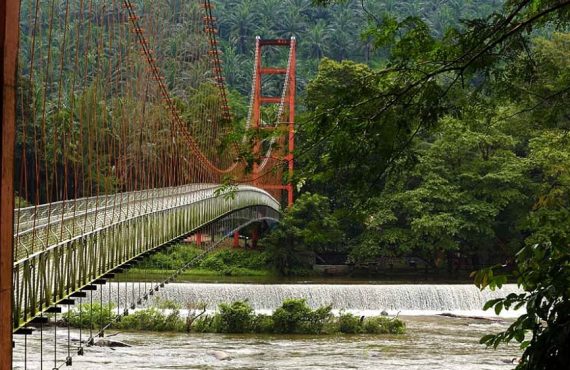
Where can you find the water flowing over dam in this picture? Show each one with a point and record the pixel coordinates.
(368, 298)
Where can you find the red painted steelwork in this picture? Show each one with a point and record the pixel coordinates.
(236, 239)
(259, 100)
(9, 37)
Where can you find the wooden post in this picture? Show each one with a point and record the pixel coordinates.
(9, 35)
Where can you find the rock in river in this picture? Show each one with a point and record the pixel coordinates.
(110, 343)
(220, 355)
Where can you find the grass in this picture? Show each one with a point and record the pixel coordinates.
(195, 274)
(220, 263)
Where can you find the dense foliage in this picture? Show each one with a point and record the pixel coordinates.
(477, 167)
(333, 32)
(543, 272)
(306, 228)
(228, 262)
(480, 169)
(293, 317)
(92, 86)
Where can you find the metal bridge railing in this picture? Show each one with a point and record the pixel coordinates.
(67, 252)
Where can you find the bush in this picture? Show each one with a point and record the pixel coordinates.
(263, 324)
(293, 317)
(172, 259)
(89, 315)
(317, 320)
(152, 319)
(234, 260)
(206, 324)
(383, 325)
(289, 317)
(349, 324)
(236, 317)
(212, 262)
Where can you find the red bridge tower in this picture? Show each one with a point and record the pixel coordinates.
(286, 143)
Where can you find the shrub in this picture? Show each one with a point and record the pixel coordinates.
(263, 324)
(293, 317)
(317, 319)
(383, 325)
(172, 259)
(89, 315)
(234, 260)
(349, 324)
(205, 324)
(212, 262)
(151, 319)
(236, 317)
(289, 317)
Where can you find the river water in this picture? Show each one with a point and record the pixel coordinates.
(431, 342)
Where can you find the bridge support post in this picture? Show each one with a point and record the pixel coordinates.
(199, 239)
(9, 35)
(255, 237)
(236, 239)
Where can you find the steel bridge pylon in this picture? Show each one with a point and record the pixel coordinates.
(288, 118)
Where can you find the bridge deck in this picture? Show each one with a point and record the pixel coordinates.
(60, 249)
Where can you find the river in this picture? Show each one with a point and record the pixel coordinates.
(431, 342)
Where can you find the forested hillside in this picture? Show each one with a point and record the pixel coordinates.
(451, 146)
(334, 32)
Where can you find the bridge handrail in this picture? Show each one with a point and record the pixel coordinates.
(98, 211)
(241, 189)
(105, 206)
(55, 206)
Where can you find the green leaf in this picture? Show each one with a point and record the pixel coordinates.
(487, 339)
(498, 308)
(491, 303)
(519, 336)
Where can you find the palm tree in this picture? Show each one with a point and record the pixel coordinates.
(240, 25)
(292, 23)
(236, 69)
(345, 39)
(315, 44)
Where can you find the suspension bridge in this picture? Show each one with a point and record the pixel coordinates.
(119, 140)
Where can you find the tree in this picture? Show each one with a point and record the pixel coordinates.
(350, 143)
(465, 191)
(240, 25)
(306, 228)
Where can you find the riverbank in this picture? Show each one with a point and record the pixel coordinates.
(228, 265)
(223, 262)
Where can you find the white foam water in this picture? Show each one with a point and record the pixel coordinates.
(366, 299)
